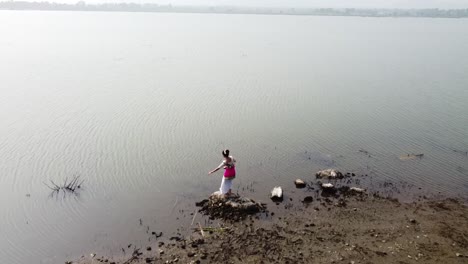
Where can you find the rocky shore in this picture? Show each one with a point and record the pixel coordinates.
(343, 224)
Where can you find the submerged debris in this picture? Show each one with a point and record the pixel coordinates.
(411, 156)
(364, 151)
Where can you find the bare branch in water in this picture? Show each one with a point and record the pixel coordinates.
(67, 186)
(53, 189)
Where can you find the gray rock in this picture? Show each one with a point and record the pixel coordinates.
(250, 207)
(357, 190)
(246, 200)
(327, 186)
(329, 174)
(232, 204)
(277, 193)
(299, 183)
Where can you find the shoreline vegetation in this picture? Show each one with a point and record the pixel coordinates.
(133, 7)
(312, 224)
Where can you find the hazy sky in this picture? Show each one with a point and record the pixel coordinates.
(302, 3)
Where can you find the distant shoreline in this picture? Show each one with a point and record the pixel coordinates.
(154, 8)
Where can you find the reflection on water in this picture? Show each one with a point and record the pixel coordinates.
(140, 105)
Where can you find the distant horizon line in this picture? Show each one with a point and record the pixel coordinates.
(85, 3)
(228, 9)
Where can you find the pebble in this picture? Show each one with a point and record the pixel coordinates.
(459, 255)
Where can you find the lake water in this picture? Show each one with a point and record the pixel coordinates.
(140, 105)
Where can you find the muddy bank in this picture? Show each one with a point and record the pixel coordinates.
(333, 229)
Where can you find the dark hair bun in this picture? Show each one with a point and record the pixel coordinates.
(226, 153)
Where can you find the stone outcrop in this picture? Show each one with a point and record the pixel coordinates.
(232, 208)
(329, 174)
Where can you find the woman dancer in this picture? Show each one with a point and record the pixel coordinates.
(229, 165)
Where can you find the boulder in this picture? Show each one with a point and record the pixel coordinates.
(231, 208)
(299, 183)
(329, 174)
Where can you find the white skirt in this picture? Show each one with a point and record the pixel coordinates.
(226, 184)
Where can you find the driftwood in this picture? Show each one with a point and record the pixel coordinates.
(193, 219)
(210, 229)
(66, 186)
(201, 230)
